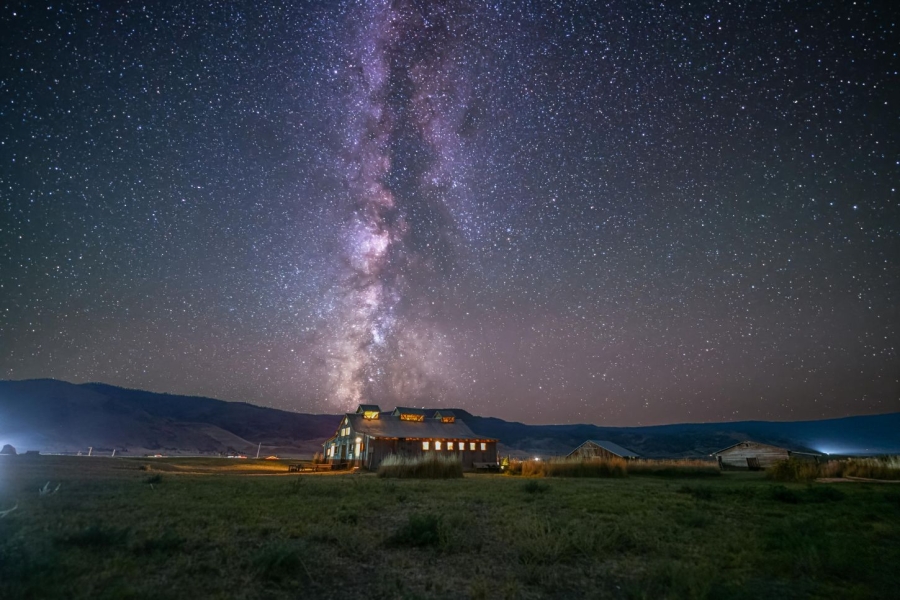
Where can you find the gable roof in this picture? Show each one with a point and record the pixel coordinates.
(405, 410)
(610, 447)
(793, 450)
(362, 408)
(391, 426)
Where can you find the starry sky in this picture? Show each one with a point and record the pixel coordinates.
(618, 212)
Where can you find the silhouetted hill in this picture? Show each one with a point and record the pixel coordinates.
(56, 416)
(873, 434)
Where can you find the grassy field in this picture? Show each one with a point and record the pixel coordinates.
(197, 528)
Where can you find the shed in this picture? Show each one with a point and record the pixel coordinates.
(755, 455)
(602, 449)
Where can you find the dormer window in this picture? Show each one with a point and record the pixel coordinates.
(409, 414)
(445, 416)
(368, 411)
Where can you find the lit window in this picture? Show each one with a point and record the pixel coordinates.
(409, 417)
(449, 445)
(472, 446)
(483, 446)
(425, 445)
(437, 445)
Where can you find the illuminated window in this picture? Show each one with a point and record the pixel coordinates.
(449, 445)
(447, 419)
(425, 445)
(408, 417)
(483, 446)
(370, 414)
(472, 446)
(437, 445)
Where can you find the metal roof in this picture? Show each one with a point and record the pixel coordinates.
(405, 410)
(390, 426)
(611, 447)
(368, 408)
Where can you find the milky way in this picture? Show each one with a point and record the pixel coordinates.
(622, 213)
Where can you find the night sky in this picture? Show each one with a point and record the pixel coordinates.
(620, 213)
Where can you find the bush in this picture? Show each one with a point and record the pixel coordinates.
(675, 468)
(278, 561)
(95, 536)
(793, 470)
(535, 487)
(783, 494)
(418, 531)
(884, 467)
(427, 466)
(699, 492)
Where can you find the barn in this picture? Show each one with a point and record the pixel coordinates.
(366, 437)
(754, 455)
(602, 449)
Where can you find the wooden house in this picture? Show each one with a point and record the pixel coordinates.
(755, 456)
(366, 437)
(601, 449)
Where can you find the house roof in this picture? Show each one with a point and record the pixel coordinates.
(610, 447)
(368, 408)
(405, 410)
(443, 413)
(391, 426)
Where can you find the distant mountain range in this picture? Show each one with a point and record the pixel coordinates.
(55, 416)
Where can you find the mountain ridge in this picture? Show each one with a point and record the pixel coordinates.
(57, 416)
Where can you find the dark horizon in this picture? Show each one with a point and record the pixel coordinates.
(627, 213)
(387, 407)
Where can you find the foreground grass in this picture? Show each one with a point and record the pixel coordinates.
(114, 530)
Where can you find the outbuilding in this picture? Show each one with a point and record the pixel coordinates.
(755, 456)
(602, 449)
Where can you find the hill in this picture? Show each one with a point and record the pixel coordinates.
(55, 416)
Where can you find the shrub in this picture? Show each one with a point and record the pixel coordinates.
(418, 531)
(675, 468)
(565, 467)
(699, 492)
(783, 494)
(883, 467)
(278, 561)
(95, 536)
(793, 470)
(428, 466)
(535, 487)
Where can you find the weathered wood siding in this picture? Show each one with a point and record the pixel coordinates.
(380, 448)
(736, 457)
(590, 450)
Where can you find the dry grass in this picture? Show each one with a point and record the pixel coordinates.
(797, 470)
(614, 467)
(108, 534)
(428, 466)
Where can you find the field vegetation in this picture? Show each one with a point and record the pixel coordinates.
(799, 470)
(612, 467)
(427, 466)
(220, 529)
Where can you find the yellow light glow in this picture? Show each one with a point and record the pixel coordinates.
(370, 414)
(407, 417)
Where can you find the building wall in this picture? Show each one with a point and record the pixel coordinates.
(379, 449)
(736, 458)
(592, 451)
